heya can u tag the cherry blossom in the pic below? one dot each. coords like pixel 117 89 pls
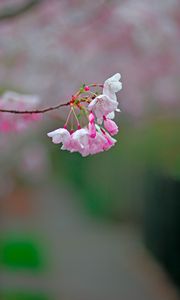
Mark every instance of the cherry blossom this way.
pixel 91 126
pixel 92 138
pixel 112 85
pixel 110 126
pixel 60 135
pixel 107 103
pixel 102 105
pixel 88 128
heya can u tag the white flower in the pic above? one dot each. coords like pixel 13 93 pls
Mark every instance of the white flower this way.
pixel 97 143
pixel 112 114
pixel 107 103
pixel 111 86
pixel 102 105
pixel 93 138
pixel 80 141
pixel 60 135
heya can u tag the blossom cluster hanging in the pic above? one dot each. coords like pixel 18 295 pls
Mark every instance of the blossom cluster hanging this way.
pixel 89 126
pixel 99 110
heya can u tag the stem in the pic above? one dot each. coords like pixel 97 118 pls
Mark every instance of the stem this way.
pixel 85 112
pixel 92 93
pixel 75 116
pixel 96 84
pixel 44 110
pixel 67 120
pixel 37 111
pixel 86 100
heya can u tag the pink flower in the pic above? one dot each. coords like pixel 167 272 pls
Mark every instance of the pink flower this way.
pixel 107 103
pixel 102 105
pixel 92 130
pixel 91 118
pixel 32 117
pixel 80 142
pixel 93 139
pixel 14 101
pixel 5 126
pixel 91 126
pixel 96 144
pixel 109 140
pixel 86 88
pixel 60 135
pixel 110 126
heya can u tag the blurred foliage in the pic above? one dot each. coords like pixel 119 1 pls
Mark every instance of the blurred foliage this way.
pixel 21 253
pixel 112 183
pixel 162 221
pixel 138 180
pixel 22 296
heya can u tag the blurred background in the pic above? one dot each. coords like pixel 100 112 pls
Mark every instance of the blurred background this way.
pixel 106 226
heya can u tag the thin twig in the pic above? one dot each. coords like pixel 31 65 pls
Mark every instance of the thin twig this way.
pixel 44 110
pixel 96 84
pixel 37 111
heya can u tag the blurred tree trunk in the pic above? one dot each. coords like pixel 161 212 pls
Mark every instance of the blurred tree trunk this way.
pixel 162 222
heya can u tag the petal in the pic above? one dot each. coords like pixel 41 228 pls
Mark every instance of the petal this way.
pixel 112 85
pixel 116 77
pixel 91 105
pixel 60 135
pixel 111 115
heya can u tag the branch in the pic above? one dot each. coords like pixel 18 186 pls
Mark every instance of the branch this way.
pixel 37 111
pixel 74 100
pixel 12 12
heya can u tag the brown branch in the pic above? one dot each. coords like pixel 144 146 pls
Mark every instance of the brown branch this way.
pixel 37 111
pixel 12 12
pixel 44 110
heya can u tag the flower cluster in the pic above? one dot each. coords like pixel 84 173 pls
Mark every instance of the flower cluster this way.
pixel 14 101
pixel 95 135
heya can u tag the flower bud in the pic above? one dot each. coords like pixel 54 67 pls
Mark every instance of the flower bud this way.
pixel 110 126
pixel 86 88
pixel 91 118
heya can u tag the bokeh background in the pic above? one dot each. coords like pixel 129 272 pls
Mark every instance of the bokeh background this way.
pixel 106 226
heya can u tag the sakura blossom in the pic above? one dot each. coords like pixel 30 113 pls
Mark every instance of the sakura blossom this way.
pixel 110 126
pixel 95 135
pixel 60 135
pixel 112 85
pixel 102 105
pixel 88 128
pixel 107 103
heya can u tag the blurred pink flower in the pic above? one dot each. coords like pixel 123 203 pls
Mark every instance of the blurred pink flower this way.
pixel 14 101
